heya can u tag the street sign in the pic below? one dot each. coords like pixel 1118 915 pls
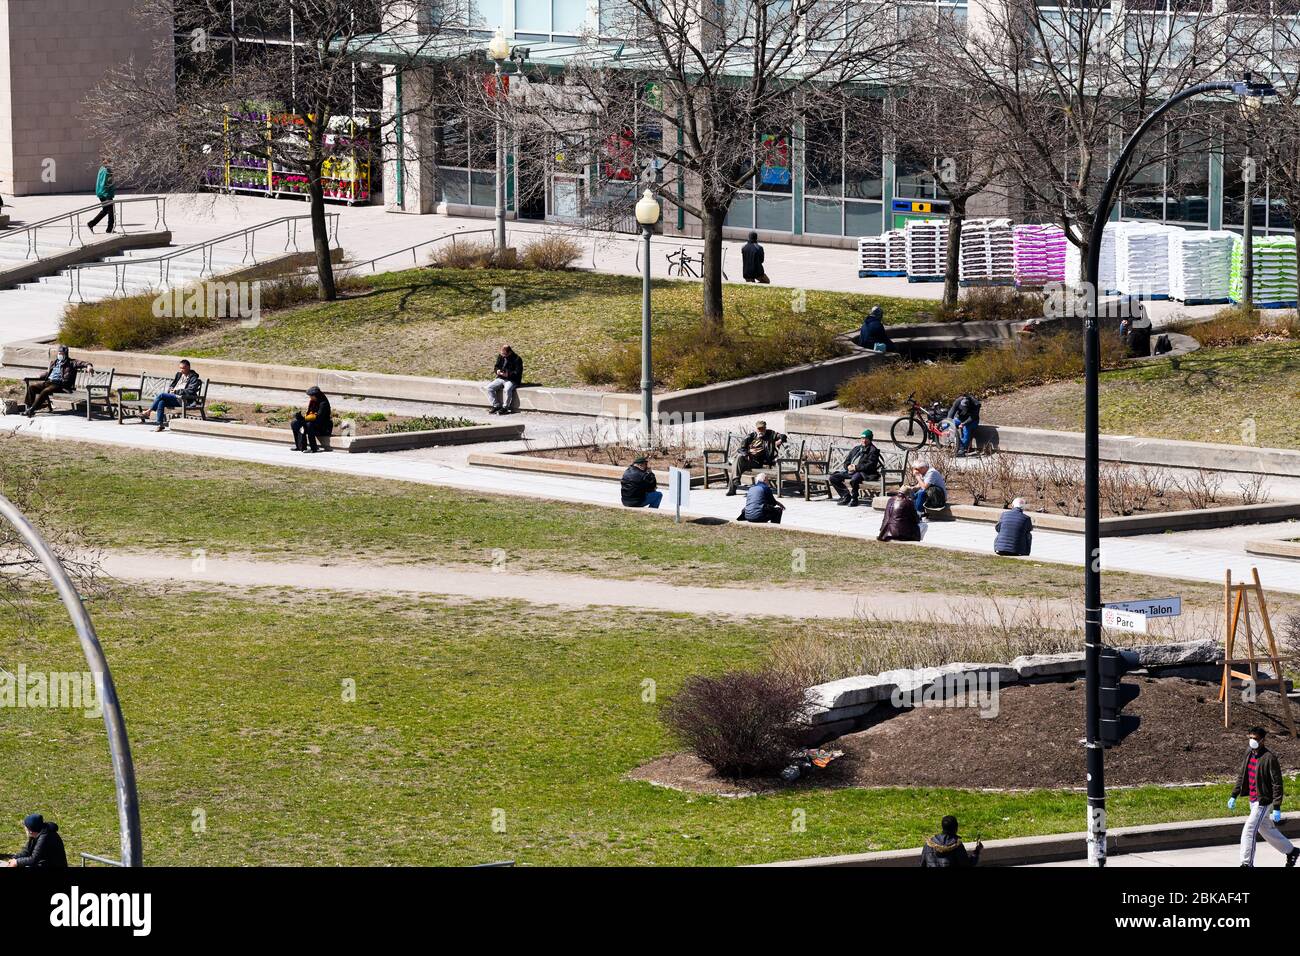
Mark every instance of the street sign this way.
pixel 679 489
pixel 1156 607
pixel 1114 619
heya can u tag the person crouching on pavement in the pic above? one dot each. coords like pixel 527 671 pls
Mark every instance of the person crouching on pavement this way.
pixel 761 506
pixel 1261 780
pixel 900 522
pixel 946 849
pixel 638 487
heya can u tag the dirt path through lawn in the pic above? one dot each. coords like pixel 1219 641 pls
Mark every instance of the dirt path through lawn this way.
pixel 573 590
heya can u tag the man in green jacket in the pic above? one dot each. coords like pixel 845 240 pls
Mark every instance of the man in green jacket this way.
pixel 1261 779
pixel 105 192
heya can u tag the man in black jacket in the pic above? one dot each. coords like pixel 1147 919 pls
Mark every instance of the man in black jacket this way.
pixel 757 450
pixel 507 375
pixel 946 849
pixel 183 391
pixel 313 424
pixel 44 850
pixel 860 464
pixel 61 376
pixel 751 261
pixel 1261 780
pixel 639 484
pixel 965 416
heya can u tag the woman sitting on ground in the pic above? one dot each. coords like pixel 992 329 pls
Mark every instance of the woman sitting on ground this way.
pixel 900 522
pixel 313 423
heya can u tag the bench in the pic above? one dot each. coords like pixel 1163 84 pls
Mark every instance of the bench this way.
pixel 150 387
pixel 818 471
pixel 92 388
pixel 788 466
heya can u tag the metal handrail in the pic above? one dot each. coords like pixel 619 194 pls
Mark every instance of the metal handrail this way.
pixel 411 249
pixel 74 220
pixel 85 857
pixel 206 247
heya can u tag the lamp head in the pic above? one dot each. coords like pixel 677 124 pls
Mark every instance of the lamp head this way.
pixel 499 47
pixel 1252 93
pixel 647 209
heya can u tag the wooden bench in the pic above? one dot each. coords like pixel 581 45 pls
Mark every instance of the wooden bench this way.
pixel 817 471
pixel 149 388
pixel 92 388
pixel 788 466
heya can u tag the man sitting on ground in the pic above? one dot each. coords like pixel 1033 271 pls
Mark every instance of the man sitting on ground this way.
pixel 946 849
pixel 931 492
pixel 873 331
pixel 61 376
pixel 900 522
pixel 184 390
pixel 860 464
pixel 1015 531
pixel 761 506
pixel 965 417
pixel 639 484
pixel 507 375
pixel 757 450
pixel 44 850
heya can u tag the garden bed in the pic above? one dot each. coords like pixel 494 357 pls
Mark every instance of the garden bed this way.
pixel 1032 743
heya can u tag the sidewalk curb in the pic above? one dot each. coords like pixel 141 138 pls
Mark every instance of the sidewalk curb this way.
pixel 1025 851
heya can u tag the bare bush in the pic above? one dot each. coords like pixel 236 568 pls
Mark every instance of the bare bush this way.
pixel 1254 490
pixel 1201 487
pixel 467 254
pixel 741 723
pixel 552 251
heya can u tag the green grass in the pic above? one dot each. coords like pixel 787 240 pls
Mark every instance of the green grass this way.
pixel 235 507
pixel 1213 394
pixel 441 322
pixel 235 709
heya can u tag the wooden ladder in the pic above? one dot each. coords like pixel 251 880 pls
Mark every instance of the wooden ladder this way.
pixel 1234 613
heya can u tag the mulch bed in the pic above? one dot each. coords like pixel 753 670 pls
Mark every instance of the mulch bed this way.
pixel 1032 742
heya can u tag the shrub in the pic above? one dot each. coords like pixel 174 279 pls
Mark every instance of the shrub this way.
pixel 994 304
pixel 1036 361
pixel 465 254
pixel 683 358
pixel 1235 325
pixel 426 423
pixel 552 252
pixel 741 723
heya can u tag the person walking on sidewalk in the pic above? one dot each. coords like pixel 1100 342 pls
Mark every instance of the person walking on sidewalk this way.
pixel 1261 780
pixel 105 192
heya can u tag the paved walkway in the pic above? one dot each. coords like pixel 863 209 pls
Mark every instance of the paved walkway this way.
pixel 1216 856
pixel 1188 557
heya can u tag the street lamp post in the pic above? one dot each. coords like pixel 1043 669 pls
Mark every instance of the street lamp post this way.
pixel 499 52
pixel 647 214
pixel 1245 88
pixel 1249 107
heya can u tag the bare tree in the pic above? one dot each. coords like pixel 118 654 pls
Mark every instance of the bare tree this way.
pixel 708 101
pixel 278 82
pixel 1070 82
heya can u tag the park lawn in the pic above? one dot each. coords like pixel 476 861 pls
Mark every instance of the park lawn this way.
pixel 442 322
pixel 124 498
pixel 1213 395
pixel 465 715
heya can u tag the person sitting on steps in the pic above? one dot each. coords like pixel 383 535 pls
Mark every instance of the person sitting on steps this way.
pixel 508 375
pixel 930 490
pixel 315 423
pixel 862 463
pixel 757 450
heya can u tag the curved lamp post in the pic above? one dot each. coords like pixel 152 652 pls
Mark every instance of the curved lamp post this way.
pixel 647 214
pixel 1248 89
pixel 498 52
pixel 119 748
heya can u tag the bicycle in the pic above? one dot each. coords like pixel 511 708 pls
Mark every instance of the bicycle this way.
pixel 684 263
pixel 921 425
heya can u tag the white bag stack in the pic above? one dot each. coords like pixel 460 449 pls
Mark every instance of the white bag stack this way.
pixel 1039 254
pixel 927 249
pixel 987 255
pixel 1105 266
pixel 873 255
pixel 896 244
pixel 1200 266
pixel 1142 259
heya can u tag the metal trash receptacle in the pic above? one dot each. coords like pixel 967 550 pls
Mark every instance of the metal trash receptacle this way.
pixel 801 397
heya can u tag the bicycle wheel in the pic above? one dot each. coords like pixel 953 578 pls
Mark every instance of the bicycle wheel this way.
pixel 908 432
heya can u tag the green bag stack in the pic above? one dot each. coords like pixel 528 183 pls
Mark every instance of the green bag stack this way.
pixel 1275 270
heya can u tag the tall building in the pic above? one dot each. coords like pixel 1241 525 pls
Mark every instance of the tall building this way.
pixel 52 54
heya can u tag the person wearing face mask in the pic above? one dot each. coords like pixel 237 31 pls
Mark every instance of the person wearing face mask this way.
pixel 1261 780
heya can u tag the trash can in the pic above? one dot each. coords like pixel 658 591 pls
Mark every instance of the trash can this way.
pixel 801 397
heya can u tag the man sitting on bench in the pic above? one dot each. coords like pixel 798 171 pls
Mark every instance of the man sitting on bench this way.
pixel 61 376
pixel 758 450
pixel 184 390
pixel 860 464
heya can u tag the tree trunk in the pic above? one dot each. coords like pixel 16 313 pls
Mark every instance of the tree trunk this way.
pixel 320 237
pixel 952 272
pixel 712 314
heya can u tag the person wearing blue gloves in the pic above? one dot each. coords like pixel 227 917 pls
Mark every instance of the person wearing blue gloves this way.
pixel 1261 780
